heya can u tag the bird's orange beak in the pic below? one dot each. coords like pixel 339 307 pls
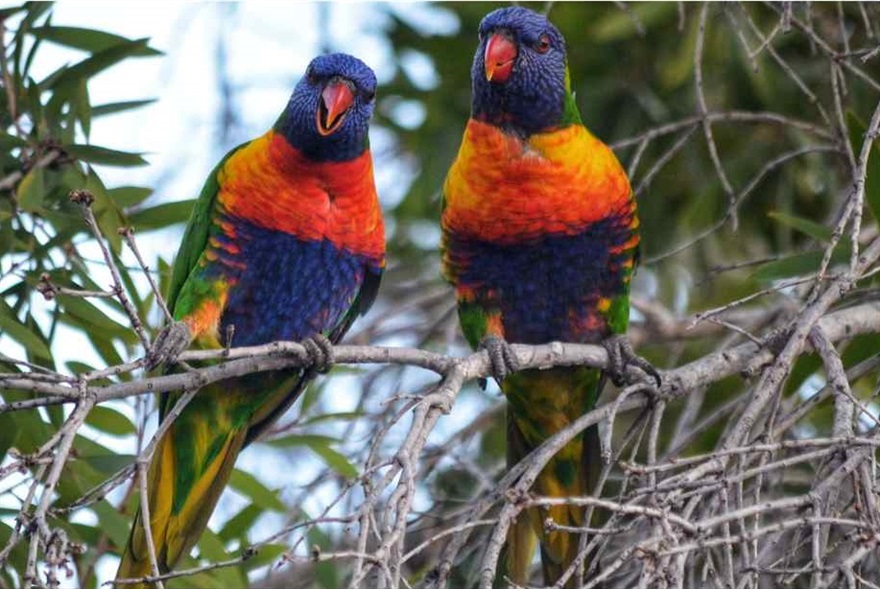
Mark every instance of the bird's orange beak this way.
pixel 500 55
pixel 335 101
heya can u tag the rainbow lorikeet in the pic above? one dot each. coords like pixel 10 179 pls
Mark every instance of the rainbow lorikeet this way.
pixel 540 240
pixel 286 242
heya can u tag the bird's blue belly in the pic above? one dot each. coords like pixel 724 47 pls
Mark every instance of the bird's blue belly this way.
pixel 285 288
pixel 547 288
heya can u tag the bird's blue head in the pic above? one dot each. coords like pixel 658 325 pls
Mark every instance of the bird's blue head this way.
pixel 328 115
pixel 519 74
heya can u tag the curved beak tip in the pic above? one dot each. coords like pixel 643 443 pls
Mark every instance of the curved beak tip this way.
pixel 335 101
pixel 499 58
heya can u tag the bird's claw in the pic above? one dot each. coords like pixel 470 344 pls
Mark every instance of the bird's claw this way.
pixel 501 357
pixel 319 350
pixel 620 356
pixel 170 343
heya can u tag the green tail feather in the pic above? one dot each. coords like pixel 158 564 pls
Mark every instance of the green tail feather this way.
pixel 540 404
pixel 176 530
pixel 193 462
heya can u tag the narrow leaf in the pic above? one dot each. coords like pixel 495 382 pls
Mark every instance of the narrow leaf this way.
pixel 101 155
pixel 23 334
pixel 83 109
pixel 800 264
pixel 31 190
pixel 110 421
pixel 300 440
pixel 115 107
pixel 857 131
pixel 9 430
pixel 113 523
pixel 815 230
pixel 7 12
pixel 335 460
pixel 129 196
pixel 85 311
pixel 240 523
pixel 87 39
pixel 162 215
pixel 9 142
pixel 248 485
pixel 100 61
pixel 108 464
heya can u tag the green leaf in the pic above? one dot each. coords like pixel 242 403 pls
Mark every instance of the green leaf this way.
pixel 872 180
pixel 335 460
pixel 34 11
pixel 266 555
pixel 800 264
pixel 23 334
pixel 83 108
pixel 17 555
pixel 31 190
pixel 115 107
pixel 99 62
pixel 129 196
pixel 248 485
pixel 300 440
pixel 34 106
pixel 113 523
pixel 32 430
pixel 815 230
pixel 108 157
pixel 107 214
pixel 9 430
pixel 161 216
pixel 110 421
pixel 79 308
pixel 7 12
pixel 342 415
pixel 9 142
pixel 108 464
pixel 240 523
pixel 212 548
pixel 76 367
pixel 87 39
pixel 617 24
pixel 105 348
pixel 326 576
pixel 857 131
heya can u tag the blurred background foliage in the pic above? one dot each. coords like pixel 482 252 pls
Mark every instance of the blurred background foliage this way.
pixel 633 70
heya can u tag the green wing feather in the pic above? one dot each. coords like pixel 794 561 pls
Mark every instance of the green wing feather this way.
pixel 541 403
pixel 195 238
pixel 194 459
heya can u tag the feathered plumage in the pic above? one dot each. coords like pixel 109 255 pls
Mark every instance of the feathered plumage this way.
pixel 286 242
pixel 540 241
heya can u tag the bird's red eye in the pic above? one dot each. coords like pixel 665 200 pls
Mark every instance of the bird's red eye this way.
pixel 543 44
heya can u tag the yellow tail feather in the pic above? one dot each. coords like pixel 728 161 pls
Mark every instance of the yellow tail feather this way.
pixel 541 403
pixel 174 534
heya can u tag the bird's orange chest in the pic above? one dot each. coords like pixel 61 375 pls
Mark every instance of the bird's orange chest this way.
pixel 504 188
pixel 272 185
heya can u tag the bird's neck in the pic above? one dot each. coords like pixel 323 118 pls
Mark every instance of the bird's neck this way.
pixel 524 111
pixel 342 146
